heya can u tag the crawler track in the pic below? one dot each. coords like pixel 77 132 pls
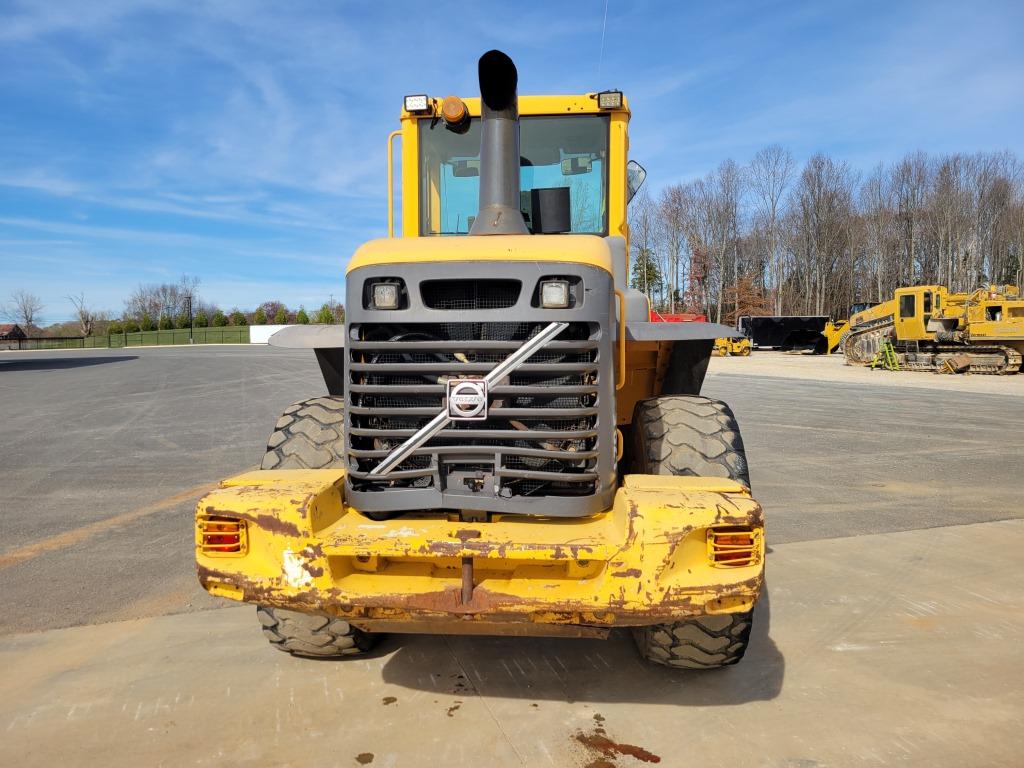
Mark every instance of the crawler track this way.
pixel 862 344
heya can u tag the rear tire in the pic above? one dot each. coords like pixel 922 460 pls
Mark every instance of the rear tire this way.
pixel 688 435
pixel 701 642
pixel 308 436
pixel 691 435
pixel 312 635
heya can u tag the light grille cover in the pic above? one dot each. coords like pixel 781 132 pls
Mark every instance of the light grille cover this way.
pixel 734 546
pixel 219 536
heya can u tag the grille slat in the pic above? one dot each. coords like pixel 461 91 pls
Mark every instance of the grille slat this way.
pixel 481 434
pixel 469 344
pixel 438 389
pixel 497 413
pixel 446 366
pixel 540 435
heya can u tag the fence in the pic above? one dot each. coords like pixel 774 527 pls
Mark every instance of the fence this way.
pixel 227 335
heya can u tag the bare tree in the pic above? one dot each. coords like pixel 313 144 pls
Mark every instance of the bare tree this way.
pixel 155 300
pixel 24 309
pixel 672 210
pixel 643 222
pixel 86 316
pixel 770 173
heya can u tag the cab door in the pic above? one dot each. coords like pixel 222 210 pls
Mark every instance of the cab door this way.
pixel 913 310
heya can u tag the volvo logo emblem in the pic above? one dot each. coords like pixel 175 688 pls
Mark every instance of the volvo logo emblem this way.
pixel 467 399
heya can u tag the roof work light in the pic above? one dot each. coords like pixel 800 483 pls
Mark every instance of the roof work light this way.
pixel 417 103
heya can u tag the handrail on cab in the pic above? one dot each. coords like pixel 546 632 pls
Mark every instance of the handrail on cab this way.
pixel 391 182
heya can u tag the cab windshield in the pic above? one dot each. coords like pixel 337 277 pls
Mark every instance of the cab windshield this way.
pixel 554 152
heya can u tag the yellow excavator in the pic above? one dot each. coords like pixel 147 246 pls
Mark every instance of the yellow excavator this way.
pixel 927 328
pixel 508 445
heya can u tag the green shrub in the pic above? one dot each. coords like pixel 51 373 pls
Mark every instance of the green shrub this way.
pixel 324 316
pixel 301 317
pixel 181 321
pixel 146 323
pixel 166 324
pixel 115 326
pixel 219 319
pixel 259 317
pixel 238 317
pixel 201 320
pixel 281 317
pixel 130 326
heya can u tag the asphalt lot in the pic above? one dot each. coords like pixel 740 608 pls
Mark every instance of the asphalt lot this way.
pixel 888 585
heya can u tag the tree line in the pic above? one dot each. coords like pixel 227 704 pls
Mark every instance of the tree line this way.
pixel 161 306
pixel 770 237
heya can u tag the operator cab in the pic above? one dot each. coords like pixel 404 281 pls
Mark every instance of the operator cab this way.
pixel 574 173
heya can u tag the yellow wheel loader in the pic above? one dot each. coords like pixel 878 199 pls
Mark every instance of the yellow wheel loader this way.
pixel 508 444
pixel 931 329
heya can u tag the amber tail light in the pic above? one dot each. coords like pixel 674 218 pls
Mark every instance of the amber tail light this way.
pixel 222 536
pixel 734 546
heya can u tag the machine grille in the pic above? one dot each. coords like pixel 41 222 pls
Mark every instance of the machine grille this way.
pixel 470 294
pixel 540 436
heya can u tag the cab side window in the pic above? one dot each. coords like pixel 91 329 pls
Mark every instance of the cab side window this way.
pixel 908 305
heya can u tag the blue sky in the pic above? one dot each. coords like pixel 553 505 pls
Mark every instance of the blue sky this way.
pixel 243 142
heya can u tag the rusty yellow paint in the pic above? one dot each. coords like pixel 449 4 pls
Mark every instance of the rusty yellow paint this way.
pixel 643 561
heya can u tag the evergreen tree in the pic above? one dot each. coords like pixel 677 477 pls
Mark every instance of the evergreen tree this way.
pixel 238 317
pixel 201 320
pixel 219 319
pixel 146 323
pixel 181 321
pixel 301 317
pixel 281 317
pixel 259 317
pixel 324 316
pixel 646 273
pixel 166 323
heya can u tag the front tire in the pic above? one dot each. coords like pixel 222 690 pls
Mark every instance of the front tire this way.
pixel 691 435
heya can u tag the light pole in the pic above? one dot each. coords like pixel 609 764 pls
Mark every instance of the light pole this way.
pixel 188 304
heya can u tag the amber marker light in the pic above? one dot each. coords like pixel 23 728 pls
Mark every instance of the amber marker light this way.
pixel 455 114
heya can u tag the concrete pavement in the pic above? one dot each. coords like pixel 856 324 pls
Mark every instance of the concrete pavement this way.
pixel 889 637
pixel 896 649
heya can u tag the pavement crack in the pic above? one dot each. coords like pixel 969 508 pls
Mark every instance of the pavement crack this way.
pixel 483 700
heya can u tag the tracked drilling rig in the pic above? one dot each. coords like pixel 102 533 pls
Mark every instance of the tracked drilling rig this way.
pixel 508 444
pixel 983 331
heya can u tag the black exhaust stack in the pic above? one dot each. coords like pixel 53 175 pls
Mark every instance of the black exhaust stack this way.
pixel 499 212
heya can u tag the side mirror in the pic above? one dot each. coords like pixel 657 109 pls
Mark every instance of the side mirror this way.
pixel 635 176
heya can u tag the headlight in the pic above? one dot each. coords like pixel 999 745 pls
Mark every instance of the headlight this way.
pixel 385 296
pixel 554 294
pixel 609 100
